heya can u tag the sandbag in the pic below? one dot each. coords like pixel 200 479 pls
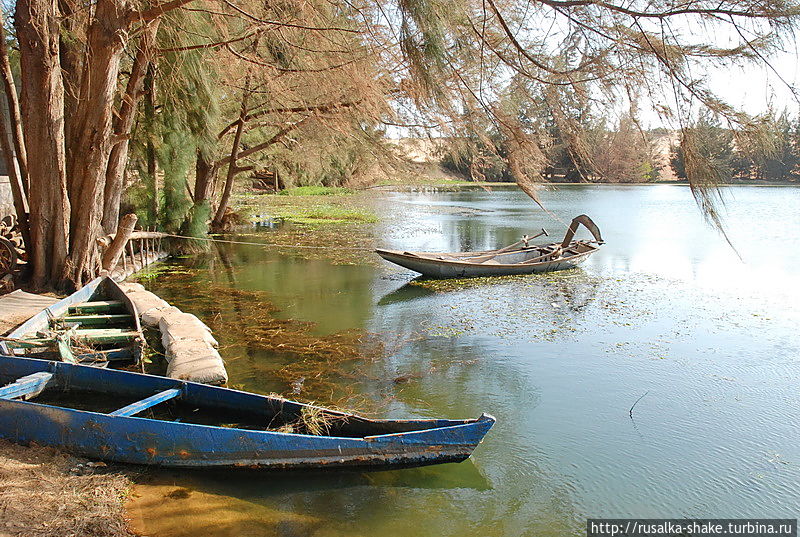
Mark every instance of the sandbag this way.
pixel 196 361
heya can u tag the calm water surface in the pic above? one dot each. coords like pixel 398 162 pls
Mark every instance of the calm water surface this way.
pixel 666 308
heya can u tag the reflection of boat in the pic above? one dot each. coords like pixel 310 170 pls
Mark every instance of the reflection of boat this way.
pixel 95 325
pixel 142 419
pixel 404 294
pixel 517 258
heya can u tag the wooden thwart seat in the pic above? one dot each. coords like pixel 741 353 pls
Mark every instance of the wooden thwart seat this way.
pixel 106 335
pixel 110 355
pixel 144 404
pixel 98 306
pixel 90 336
pixel 98 320
pixel 30 386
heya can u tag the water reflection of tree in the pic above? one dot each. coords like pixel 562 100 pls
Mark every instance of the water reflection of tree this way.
pixel 469 235
pixel 224 255
pixel 463 376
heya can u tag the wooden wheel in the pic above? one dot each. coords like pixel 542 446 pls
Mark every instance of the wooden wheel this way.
pixel 8 257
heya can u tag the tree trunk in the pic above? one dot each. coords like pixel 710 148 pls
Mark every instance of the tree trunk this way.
pixel 70 55
pixel 233 168
pixel 13 109
pixel 42 98
pixel 91 140
pixel 150 149
pixel 118 158
pixel 17 173
pixel 18 195
pixel 117 246
pixel 205 172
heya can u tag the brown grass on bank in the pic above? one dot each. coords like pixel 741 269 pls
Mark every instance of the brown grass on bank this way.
pixel 40 497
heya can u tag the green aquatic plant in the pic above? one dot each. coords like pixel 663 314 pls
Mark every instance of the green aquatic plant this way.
pixel 315 191
pixel 248 319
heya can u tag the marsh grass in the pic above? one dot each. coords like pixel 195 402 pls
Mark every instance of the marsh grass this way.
pixel 315 191
pixel 324 206
pixel 456 284
pixel 315 420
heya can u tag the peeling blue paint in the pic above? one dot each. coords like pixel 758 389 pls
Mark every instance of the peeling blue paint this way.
pixel 139 440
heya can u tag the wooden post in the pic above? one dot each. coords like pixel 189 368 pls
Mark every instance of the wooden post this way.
pixel 117 246
pixel 133 257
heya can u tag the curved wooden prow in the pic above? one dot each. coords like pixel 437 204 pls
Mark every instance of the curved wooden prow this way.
pixel 588 224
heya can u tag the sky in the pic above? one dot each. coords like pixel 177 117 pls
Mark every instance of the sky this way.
pixel 755 88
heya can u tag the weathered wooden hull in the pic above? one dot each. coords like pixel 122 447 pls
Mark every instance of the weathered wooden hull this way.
pixel 99 288
pixel 445 268
pixel 138 440
pixel 517 258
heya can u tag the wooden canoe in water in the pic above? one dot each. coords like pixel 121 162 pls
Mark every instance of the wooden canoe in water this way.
pixel 142 419
pixel 96 325
pixel 517 258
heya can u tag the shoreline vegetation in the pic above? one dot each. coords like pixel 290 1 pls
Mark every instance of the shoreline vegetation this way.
pixel 467 183
pixel 318 205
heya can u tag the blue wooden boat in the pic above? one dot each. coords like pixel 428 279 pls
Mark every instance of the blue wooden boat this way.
pixel 128 417
pixel 96 325
pixel 514 259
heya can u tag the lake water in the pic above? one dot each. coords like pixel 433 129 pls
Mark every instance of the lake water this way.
pixel 667 308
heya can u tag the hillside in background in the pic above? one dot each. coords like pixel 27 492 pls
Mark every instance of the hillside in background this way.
pixel 428 154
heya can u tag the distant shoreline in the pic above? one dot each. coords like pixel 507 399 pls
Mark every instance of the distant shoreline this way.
pixel 508 184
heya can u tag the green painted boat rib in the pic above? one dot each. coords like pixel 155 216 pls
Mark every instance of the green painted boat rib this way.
pixel 98 320
pixel 98 306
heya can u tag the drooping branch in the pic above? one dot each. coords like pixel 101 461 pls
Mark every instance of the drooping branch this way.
pixel 322 108
pixel 254 18
pixel 213 44
pixel 522 50
pixel 715 11
pixel 274 139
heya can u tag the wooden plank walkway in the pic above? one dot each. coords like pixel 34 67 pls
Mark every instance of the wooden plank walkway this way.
pixel 18 306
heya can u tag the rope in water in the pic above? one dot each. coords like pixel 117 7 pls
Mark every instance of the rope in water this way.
pixel 250 243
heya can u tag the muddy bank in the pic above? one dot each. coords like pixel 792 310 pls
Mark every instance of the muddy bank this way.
pixel 44 492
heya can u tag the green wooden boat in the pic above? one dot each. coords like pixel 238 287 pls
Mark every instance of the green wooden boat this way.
pixel 97 325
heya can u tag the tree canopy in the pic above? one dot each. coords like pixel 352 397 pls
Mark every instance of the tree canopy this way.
pixel 203 90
